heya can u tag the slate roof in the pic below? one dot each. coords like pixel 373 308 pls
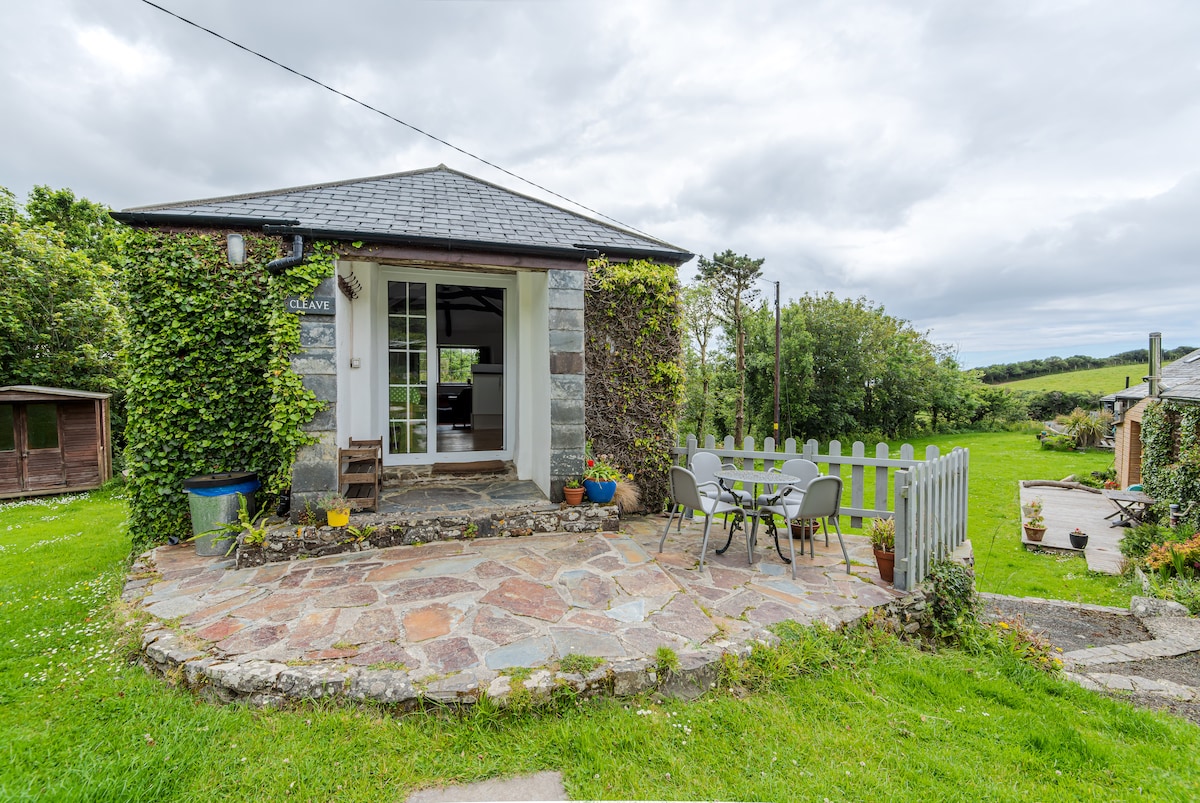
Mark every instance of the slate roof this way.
pixel 1180 380
pixel 435 204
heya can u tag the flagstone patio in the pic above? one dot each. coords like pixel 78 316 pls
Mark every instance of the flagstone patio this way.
pixel 453 620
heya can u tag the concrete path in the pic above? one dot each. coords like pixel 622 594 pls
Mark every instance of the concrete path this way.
pixel 457 615
pixel 1067 508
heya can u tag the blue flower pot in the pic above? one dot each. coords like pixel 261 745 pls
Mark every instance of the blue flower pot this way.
pixel 600 492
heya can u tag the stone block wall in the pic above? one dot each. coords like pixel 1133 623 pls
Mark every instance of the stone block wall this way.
pixel 315 470
pixel 567 438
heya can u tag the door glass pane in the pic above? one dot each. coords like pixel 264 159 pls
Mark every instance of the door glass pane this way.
pixel 8 437
pixel 469 324
pixel 416 332
pixel 42 421
pixel 407 369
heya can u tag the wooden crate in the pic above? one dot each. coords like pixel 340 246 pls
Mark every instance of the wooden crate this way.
pixel 360 473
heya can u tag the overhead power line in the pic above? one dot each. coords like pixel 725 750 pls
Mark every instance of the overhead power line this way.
pixel 393 118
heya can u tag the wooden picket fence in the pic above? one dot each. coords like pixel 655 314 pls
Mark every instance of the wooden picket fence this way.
pixel 930 493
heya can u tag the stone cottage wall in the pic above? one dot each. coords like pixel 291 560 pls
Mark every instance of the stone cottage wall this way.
pixel 567 436
pixel 315 471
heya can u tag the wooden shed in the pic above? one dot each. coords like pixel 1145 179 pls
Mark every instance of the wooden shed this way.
pixel 53 440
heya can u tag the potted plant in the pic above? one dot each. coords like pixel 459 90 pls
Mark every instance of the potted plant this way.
pixel 1035 525
pixel 573 491
pixel 1079 539
pixel 337 509
pixel 1032 508
pixel 882 533
pixel 600 478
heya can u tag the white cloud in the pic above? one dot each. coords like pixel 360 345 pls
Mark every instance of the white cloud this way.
pixel 1019 176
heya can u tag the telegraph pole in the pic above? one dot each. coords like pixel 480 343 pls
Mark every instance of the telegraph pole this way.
pixel 776 430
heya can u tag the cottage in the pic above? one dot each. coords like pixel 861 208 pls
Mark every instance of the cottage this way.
pixel 53 440
pixel 1177 381
pixel 453 327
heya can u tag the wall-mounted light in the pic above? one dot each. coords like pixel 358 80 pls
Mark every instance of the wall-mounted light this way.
pixel 236 247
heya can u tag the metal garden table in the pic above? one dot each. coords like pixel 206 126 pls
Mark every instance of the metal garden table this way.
pixel 753 478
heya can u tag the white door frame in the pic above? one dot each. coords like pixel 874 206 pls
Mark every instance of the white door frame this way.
pixel 432 278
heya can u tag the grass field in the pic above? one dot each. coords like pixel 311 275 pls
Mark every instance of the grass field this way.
pixel 864 719
pixel 1105 380
pixel 1002 565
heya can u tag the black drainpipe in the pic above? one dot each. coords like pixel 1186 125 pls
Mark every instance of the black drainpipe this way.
pixel 278 266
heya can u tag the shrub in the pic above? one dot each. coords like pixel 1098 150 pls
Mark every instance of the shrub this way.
pixel 1137 541
pixel 1058 443
pixel 1086 428
pixel 1174 558
pixel 954 604
pixel 1029 646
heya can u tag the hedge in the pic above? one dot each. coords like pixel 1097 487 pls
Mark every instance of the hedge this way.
pixel 211 385
pixel 634 375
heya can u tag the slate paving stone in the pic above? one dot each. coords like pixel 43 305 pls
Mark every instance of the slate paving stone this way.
pixel 315 629
pixel 388 653
pixel 221 629
pixel 277 606
pixel 592 620
pixel 581 552
pixel 632 611
pixel 429 622
pixel 253 638
pixel 647 582
pixel 683 617
pixel 492 569
pixel 579 641
pixel 428 588
pixel 294 577
pixel 535 567
pixel 499 627
pixel 354 596
pixel 374 626
pixel 450 655
pixel 527 652
pixel 588 590
pixel 527 598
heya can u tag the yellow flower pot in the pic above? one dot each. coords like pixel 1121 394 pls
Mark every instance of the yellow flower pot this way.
pixel 338 518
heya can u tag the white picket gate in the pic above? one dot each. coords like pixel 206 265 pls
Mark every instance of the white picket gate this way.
pixel 931 514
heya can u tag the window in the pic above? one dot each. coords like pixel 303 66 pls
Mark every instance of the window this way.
pixel 454 363
pixel 8 437
pixel 42 423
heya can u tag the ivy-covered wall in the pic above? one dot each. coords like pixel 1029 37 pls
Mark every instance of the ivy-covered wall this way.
pixel 634 379
pixel 1171 455
pixel 211 385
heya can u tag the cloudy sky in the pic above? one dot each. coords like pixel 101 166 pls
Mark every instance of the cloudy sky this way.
pixel 1020 178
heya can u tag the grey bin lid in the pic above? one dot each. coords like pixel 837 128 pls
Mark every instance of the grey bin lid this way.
pixel 220 480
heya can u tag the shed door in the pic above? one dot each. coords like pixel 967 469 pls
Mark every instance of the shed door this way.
pixel 10 467
pixel 33 459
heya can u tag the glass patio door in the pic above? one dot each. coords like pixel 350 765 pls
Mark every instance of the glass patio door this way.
pixel 408 368
pixel 446 370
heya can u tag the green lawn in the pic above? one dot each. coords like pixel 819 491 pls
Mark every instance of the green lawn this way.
pixel 999 460
pixel 1105 380
pixel 865 721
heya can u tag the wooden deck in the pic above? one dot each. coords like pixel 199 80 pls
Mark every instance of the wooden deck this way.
pixel 1067 508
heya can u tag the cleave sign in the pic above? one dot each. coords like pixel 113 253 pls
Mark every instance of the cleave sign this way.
pixel 317 305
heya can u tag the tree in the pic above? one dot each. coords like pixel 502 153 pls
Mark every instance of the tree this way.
pixel 733 277
pixel 700 319
pixel 59 325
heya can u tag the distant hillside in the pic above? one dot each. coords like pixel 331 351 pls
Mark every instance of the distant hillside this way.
pixel 1010 372
pixel 1095 380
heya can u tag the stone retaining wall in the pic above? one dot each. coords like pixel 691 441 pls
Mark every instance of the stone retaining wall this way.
pixel 269 684
pixel 376 531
